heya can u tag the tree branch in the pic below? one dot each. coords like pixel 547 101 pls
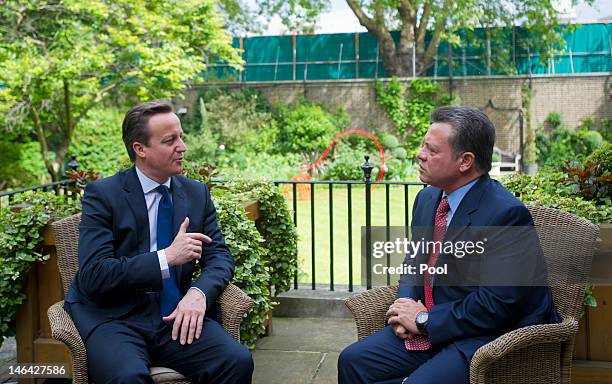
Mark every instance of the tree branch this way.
pixel 40 135
pixel 364 19
pixel 432 48
pixel 422 28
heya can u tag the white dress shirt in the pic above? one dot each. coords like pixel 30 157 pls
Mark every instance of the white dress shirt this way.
pixel 152 199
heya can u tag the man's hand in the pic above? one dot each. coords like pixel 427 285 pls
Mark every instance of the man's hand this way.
pixel 188 317
pixel 403 313
pixel 186 246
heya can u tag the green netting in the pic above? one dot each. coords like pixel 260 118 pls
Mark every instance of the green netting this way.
pixel 352 56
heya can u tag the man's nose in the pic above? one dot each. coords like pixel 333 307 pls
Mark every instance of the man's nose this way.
pixel 421 155
pixel 182 146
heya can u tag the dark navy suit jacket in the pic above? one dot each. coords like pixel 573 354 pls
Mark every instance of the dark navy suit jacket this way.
pixel 471 316
pixel 117 271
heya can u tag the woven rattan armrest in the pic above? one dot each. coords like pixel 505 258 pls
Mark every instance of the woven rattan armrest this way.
pixel 369 309
pixel 234 304
pixel 64 330
pixel 523 338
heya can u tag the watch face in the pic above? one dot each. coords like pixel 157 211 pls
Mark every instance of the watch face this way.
pixel 422 317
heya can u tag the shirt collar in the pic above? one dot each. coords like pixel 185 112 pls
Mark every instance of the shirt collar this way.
pixel 147 184
pixel 455 197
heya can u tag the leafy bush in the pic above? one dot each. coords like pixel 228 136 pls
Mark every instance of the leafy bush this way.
pixel 20 237
pixel 251 273
pixel 346 164
pixel 280 233
pixel 592 178
pixel 389 141
pixel 258 165
pixel 238 120
pixel 97 141
pixel 21 165
pixel 307 127
pixel 549 190
pixel 562 143
pixel 409 111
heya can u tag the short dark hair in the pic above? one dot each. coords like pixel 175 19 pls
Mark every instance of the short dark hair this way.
pixel 472 132
pixel 135 125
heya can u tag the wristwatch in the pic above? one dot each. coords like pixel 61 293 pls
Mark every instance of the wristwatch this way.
pixel 421 321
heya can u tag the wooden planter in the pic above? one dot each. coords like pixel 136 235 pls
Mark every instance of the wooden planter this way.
pixel 593 347
pixel 43 288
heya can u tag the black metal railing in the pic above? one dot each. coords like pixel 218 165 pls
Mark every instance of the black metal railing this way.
pixel 304 192
pixel 308 192
pixel 62 187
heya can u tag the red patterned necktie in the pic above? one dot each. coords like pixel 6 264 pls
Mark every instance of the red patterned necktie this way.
pixel 421 342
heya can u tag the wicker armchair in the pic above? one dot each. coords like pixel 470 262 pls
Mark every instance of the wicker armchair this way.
pixel 234 303
pixel 533 354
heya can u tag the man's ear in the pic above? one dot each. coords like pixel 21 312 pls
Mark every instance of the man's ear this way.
pixel 467 161
pixel 139 149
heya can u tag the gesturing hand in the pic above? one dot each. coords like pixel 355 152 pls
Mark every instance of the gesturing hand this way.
pixel 188 317
pixel 186 246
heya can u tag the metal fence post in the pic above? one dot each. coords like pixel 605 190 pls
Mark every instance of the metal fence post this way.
pixel 367 173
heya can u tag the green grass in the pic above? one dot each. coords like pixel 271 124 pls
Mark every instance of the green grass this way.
pixel 340 235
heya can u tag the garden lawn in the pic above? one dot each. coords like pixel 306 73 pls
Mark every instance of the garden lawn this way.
pixel 340 236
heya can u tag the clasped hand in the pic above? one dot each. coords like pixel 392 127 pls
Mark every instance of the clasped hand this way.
pixel 402 315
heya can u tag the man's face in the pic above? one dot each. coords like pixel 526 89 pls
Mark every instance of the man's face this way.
pixel 437 164
pixel 164 155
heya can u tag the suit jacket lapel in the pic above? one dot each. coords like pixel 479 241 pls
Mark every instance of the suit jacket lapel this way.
pixel 135 197
pixel 470 204
pixel 181 209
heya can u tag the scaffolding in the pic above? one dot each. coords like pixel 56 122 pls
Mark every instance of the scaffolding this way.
pixel 587 49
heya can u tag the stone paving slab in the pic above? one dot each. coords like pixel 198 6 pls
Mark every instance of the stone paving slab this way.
pixel 310 334
pixel 302 350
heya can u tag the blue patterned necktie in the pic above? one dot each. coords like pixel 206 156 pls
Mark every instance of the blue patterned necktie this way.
pixel 170 295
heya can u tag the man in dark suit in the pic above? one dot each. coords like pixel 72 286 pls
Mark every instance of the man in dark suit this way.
pixel 434 327
pixel 141 233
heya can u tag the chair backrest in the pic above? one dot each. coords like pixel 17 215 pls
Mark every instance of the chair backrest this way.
pixel 66 233
pixel 568 242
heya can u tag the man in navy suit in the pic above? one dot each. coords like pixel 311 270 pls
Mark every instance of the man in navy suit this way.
pixel 435 328
pixel 141 233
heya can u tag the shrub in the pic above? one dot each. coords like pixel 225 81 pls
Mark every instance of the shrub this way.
pixel 97 141
pixel 409 111
pixel 592 178
pixel 21 165
pixel 346 164
pixel 307 127
pixel 389 141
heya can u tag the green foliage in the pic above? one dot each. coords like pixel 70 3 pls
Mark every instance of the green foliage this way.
pixel 592 178
pixel 409 109
pixel 21 165
pixel 258 165
pixel 238 121
pixel 389 141
pixel 603 126
pixel 58 59
pixel 307 127
pixel 346 164
pixel 280 233
pixel 20 237
pixel 251 273
pixel 548 190
pixel 562 144
pixel 97 141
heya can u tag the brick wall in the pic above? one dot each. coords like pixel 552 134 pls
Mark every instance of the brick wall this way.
pixel 574 97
